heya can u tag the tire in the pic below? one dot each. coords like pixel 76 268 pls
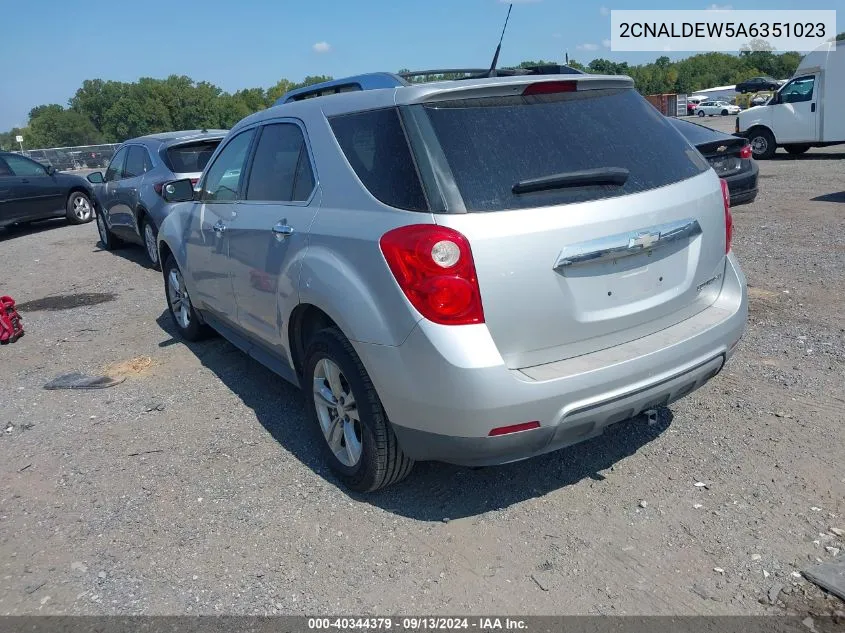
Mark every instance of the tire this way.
pixel 184 316
pixel 79 208
pixel 724 113
pixel 363 453
pixel 107 239
pixel 763 145
pixel 795 150
pixel 149 233
pixel 701 113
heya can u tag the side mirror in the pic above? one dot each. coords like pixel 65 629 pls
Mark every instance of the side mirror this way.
pixel 96 177
pixel 50 170
pixel 178 190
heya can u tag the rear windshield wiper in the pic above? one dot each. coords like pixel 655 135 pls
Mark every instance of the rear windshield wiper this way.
pixel 585 178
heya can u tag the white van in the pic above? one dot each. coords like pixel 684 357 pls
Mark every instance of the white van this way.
pixel 808 111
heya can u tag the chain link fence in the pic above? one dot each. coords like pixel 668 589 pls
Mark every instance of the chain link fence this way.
pixel 71 158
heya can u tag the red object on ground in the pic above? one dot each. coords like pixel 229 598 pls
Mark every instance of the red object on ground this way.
pixel 11 323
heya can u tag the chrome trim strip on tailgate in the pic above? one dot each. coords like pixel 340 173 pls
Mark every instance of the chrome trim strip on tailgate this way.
pixel 626 244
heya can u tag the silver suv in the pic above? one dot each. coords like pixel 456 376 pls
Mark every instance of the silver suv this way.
pixel 471 271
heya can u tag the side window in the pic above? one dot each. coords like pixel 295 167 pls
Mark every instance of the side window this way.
pixel 136 162
pixel 224 176
pixel 21 166
pixel 115 169
pixel 5 170
pixel 375 145
pixel 281 170
pixel 798 90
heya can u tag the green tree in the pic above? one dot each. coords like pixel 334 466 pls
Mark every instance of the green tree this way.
pixel 55 127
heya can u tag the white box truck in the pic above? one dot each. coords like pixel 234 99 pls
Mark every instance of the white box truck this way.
pixel 807 111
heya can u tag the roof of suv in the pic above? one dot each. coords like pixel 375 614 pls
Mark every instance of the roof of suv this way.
pixel 380 96
pixel 181 136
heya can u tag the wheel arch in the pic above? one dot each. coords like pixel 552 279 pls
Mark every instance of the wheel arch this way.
pixel 761 126
pixel 305 321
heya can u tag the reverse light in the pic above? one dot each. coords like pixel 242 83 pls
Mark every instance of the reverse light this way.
pixel 745 152
pixel 433 266
pixel 729 221
pixel 513 428
pixel 549 87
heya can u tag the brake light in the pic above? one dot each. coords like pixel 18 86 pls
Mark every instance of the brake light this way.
pixel 157 187
pixel 729 221
pixel 745 152
pixel 433 266
pixel 194 181
pixel 514 428
pixel 549 87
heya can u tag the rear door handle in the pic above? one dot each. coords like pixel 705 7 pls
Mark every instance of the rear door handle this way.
pixel 812 107
pixel 282 230
pixel 219 227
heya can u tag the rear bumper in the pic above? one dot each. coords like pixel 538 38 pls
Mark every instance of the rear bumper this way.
pixel 743 186
pixel 444 389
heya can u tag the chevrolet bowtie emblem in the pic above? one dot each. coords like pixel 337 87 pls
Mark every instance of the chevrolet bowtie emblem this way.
pixel 721 148
pixel 643 240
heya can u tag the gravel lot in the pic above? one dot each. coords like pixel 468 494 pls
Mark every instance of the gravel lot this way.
pixel 195 486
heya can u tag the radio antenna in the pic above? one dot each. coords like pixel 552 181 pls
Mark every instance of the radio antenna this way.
pixel 492 71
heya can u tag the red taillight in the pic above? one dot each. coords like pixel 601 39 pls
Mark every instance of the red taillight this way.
pixel 158 187
pixel 729 221
pixel 745 152
pixel 549 87
pixel 194 181
pixel 433 266
pixel 514 428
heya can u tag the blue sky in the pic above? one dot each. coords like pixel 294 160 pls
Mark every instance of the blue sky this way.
pixel 48 52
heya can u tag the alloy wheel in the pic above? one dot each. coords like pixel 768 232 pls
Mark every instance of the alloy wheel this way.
pixel 337 412
pixel 180 303
pixel 150 243
pixel 81 208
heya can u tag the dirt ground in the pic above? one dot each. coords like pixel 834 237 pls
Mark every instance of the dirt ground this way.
pixel 195 485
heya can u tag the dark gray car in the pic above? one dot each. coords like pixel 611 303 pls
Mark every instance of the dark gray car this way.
pixel 129 204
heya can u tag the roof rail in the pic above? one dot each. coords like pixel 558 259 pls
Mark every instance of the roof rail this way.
pixel 375 81
pixel 475 73
pixel 369 81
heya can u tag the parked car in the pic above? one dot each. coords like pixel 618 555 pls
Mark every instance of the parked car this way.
pixel 30 191
pixel 130 207
pixel 806 112
pixel 730 157
pixel 445 283
pixel 692 104
pixel 757 84
pixel 713 108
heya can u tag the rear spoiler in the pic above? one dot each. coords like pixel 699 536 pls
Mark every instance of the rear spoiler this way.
pixel 511 86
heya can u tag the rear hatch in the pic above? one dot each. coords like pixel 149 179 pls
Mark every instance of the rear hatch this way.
pixel 592 221
pixel 187 160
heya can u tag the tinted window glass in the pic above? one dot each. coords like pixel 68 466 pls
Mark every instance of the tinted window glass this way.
pixel 375 145
pixel 21 166
pixel 5 170
pixel 192 157
pixel 115 169
pixel 137 162
pixel 280 168
pixel 224 176
pixel 491 144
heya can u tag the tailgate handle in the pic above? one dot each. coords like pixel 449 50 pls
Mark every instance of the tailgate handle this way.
pixel 627 244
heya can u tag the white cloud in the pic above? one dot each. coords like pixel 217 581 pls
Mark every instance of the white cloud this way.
pixel 587 47
pixel 322 47
pixel 557 36
pixel 605 43
pixel 604 11
pixel 719 7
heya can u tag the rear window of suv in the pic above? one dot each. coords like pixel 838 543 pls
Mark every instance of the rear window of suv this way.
pixel 490 144
pixel 190 157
